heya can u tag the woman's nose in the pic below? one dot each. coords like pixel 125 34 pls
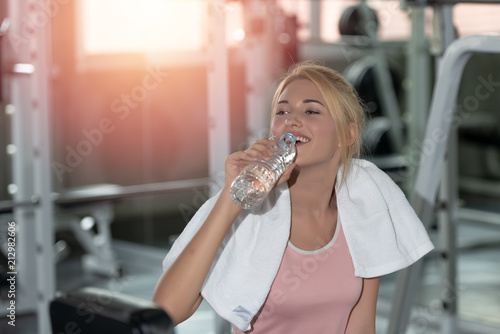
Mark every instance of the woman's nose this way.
pixel 293 120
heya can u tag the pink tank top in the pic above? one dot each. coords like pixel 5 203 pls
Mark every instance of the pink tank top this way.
pixel 313 292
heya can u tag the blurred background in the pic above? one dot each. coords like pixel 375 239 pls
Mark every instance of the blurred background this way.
pixel 117 116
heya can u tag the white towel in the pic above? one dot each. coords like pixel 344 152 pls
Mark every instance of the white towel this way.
pixel 382 231
pixel 248 259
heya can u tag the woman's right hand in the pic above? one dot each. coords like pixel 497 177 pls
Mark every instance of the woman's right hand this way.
pixel 235 163
pixel 261 149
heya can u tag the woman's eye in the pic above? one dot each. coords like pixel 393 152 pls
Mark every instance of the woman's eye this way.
pixel 314 112
pixel 281 112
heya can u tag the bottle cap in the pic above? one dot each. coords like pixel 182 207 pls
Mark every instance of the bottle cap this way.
pixel 290 135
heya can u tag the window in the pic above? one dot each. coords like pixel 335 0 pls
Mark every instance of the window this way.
pixel 167 30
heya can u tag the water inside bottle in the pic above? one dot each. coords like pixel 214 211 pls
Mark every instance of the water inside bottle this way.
pixel 258 178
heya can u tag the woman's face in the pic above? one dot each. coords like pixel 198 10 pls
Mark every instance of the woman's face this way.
pixel 302 111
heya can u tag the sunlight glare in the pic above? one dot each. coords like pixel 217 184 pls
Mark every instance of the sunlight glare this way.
pixel 121 26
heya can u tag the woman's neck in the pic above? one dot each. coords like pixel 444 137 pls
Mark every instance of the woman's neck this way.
pixel 312 189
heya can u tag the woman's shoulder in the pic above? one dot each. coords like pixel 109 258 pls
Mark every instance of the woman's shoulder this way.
pixel 366 169
pixel 365 164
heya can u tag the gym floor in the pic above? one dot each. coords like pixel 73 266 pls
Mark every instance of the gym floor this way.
pixel 478 286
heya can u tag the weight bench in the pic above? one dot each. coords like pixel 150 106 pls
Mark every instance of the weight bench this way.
pixel 100 311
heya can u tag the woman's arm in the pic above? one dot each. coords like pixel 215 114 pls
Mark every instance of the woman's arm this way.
pixel 179 289
pixel 362 318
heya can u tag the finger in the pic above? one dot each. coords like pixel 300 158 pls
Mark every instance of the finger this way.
pixel 261 148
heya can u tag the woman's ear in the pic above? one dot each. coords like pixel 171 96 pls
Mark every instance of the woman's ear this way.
pixel 353 134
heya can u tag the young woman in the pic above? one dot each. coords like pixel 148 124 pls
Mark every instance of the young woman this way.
pixel 309 259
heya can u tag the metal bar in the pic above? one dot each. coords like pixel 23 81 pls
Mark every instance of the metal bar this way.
pixel 418 91
pixel 9 206
pixel 479 216
pixel 447 222
pixel 218 91
pixel 479 186
pixel 257 69
pixel 19 95
pixel 315 20
pixel 42 175
pixel 112 192
pixel 98 194
pixel 407 279
pixel 447 217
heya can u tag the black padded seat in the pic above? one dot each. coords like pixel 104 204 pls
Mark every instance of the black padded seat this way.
pixel 100 311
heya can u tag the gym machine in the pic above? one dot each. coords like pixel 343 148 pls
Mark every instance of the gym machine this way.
pixel 438 152
pixel 440 155
pixel 374 78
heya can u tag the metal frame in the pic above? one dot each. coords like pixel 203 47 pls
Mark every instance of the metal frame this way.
pixel 448 193
pixel 418 91
pixel 30 111
pixel 218 91
pixel 256 72
pixel 436 140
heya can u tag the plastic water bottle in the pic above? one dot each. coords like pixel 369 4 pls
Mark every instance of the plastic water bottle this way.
pixel 258 178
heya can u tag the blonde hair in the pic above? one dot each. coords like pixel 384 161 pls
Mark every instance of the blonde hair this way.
pixel 341 100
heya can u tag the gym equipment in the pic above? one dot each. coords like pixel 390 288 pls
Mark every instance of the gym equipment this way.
pixel 100 311
pixel 352 23
pixel 362 75
pixel 439 156
pixel 97 202
pixel 372 76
